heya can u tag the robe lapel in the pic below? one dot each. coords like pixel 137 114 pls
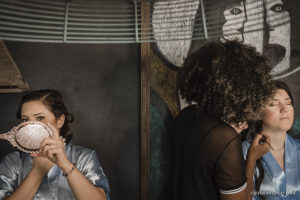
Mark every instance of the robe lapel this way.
pixel 292 165
pixel 276 181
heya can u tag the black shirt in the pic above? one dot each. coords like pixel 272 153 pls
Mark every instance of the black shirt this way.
pixel 207 157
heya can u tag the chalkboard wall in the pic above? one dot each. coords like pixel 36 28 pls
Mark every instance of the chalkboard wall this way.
pixel 100 85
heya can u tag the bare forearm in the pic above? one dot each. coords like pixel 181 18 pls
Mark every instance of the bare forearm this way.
pixel 81 187
pixel 250 166
pixel 28 187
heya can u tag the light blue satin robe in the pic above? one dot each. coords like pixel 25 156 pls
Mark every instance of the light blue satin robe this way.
pixel 15 166
pixel 279 184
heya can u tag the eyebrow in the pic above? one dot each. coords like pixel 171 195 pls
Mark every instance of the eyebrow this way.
pixel 33 115
pixel 38 114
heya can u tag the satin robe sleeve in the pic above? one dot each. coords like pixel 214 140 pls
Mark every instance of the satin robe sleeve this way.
pixel 9 174
pixel 95 174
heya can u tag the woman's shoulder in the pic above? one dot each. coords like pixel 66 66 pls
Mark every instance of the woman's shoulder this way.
pixel 295 140
pixel 79 153
pixel 15 158
pixel 78 150
pixel 82 156
pixel 15 155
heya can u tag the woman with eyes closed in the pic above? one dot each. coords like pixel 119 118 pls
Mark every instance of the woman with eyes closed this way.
pixel 61 170
pixel 276 175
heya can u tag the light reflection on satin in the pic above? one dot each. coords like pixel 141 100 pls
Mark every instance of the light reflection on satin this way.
pixel 15 166
pixel 279 184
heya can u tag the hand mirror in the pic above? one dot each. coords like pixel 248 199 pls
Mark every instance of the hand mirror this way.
pixel 28 136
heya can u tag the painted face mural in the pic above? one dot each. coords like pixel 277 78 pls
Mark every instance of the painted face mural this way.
pixel 279 32
pixel 235 18
pixel 264 24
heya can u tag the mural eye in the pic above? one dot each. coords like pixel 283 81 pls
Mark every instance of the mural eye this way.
pixel 235 11
pixel 277 8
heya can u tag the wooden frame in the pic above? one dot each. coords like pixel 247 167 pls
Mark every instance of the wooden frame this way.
pixel 145 104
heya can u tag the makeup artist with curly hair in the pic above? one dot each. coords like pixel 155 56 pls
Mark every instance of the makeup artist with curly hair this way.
pixel 60 171
pixel 226 85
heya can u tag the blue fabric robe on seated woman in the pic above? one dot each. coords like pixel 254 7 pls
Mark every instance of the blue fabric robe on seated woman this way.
pixel 278 183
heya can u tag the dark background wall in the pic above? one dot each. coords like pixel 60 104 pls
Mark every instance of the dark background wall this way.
pixel 100 85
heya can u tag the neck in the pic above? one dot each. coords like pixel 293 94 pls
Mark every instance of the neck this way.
pixel 277 138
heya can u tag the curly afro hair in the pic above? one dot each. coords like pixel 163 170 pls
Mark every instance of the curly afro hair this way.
pixel 227 79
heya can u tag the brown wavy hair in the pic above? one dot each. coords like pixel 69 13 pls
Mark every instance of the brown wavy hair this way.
pixel 227 79
pixel 54 101
pixel 256 127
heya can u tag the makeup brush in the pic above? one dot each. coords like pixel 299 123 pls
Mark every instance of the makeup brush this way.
pixel 263 140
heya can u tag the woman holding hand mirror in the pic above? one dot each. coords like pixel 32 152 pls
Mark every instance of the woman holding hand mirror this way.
pixel 60 170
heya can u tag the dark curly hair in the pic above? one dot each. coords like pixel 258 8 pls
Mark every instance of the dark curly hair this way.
pixel 227 79
pixel 54 101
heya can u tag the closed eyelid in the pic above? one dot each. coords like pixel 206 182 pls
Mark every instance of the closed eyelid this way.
pixel 272 101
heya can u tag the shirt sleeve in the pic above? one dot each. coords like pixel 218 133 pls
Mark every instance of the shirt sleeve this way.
pixel 230 169
pixel 8 175
pixel 246 145
pixel 95 174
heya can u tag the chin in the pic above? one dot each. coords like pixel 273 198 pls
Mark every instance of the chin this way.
pixel 286 128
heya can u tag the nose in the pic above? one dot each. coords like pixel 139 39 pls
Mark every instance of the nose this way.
pixel 31 119
pixel 283 107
